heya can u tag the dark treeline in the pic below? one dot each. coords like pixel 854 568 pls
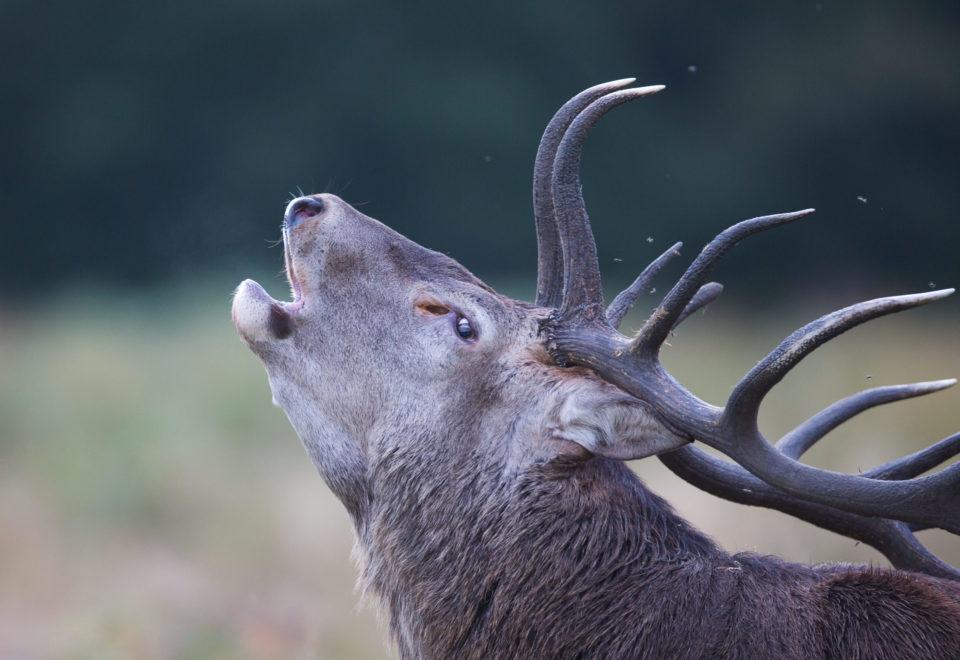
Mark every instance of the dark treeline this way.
pixel 144 142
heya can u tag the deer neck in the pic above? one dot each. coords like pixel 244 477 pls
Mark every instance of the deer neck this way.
pixel 475 551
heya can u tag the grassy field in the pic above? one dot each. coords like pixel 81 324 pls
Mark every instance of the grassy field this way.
pixel 154 504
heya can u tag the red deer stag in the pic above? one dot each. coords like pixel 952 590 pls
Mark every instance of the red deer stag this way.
pixel 479 445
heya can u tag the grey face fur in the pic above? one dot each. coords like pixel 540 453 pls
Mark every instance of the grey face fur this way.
pixel 367 363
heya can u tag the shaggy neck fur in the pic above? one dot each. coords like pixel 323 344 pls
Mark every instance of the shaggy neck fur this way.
pixel 583 561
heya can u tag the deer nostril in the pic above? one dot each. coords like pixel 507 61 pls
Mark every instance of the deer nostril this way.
pixel 302 208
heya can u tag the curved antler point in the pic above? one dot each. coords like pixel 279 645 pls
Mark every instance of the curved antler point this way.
pixel 649 89
pixel 929 387
pixel 930 296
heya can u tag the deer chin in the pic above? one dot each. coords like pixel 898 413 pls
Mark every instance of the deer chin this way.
pixel 258 317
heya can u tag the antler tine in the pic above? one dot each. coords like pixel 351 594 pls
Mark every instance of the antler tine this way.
pixel 750 391
pixel 550 256
pixel 703 297
pixel 919 462
pixel 626 298
pixel 729 481
pixel 582 293
pixel 664 318
pixel 797 442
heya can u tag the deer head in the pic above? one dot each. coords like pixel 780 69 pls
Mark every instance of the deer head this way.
pixel 391 351
pixel 403 374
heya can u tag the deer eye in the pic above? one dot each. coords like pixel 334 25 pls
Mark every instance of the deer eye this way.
pixel 464 328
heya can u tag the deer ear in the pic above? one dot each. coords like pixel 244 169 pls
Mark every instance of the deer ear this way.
pixel 608 422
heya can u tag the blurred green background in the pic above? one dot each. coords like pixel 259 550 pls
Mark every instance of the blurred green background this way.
pixel 153 504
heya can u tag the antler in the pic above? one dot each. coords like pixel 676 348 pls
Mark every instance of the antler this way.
pixel 550 257
pixel 880 507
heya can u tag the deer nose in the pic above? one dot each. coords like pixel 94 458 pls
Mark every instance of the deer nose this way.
pixel 301 209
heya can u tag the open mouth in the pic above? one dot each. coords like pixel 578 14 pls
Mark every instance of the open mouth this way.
pixel 296 289
pixel 298 211
pixel 257 316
